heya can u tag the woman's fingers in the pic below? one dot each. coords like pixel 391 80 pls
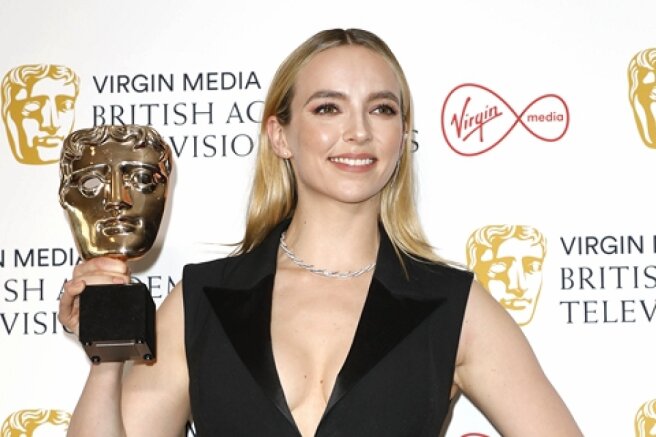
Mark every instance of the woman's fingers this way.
pixel 69 312
pixel 102 270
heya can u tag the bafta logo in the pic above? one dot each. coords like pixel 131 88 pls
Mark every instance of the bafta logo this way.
pixel 645 420
pixel 38 109
pixel 35 423
pixel 642 94
pixel 507 261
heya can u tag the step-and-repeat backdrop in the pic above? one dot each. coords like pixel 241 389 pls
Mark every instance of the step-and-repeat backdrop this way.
pixel 535 146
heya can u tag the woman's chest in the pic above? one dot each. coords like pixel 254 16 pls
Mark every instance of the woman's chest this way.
pixel 312 330
pixel 386 357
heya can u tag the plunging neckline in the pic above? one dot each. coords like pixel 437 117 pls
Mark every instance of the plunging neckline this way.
pixel 393 307
pixel 333 395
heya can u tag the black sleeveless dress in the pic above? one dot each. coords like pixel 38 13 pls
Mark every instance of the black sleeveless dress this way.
pixel 397 376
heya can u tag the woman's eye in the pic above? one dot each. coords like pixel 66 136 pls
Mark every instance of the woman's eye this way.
pixel 143 180
pixel 90 185
pixel 385 110
pixel 327 108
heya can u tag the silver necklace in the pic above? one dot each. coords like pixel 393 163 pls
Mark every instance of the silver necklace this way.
pixel 322 272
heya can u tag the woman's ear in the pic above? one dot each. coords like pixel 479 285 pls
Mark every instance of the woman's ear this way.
pixel 277 138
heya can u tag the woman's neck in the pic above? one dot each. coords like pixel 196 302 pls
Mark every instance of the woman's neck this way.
pixel 342 239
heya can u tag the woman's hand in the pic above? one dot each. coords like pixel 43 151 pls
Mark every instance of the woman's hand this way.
pixel 103 270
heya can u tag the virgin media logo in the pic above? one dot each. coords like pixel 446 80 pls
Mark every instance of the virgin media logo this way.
pixel 475 119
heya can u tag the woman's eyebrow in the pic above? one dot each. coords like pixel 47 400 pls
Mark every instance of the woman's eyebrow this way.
pixel 389 95
pixel 322 94
pixel 385 95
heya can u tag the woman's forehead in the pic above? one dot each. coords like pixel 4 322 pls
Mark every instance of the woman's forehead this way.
pixel 347 68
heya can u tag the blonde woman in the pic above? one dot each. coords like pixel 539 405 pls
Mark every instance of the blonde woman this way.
pixel 334 317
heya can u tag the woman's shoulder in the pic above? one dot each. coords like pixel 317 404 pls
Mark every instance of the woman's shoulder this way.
pixel 232 271
pixel 442 270
pixel 210 267
pixel 207 265
pixel 423 278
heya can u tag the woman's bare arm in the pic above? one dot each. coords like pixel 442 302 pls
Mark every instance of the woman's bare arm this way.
pixel 142 399
pixel 498 371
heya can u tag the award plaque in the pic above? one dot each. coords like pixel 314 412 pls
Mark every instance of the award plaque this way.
pixel 113 187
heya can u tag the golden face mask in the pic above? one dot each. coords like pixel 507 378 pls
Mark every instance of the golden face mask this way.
pixel 642 94
pixel 507 261
pixel 114 182
pixel 645 419
pixel 38 109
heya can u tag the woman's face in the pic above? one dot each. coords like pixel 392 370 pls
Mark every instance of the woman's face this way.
pixel 346 131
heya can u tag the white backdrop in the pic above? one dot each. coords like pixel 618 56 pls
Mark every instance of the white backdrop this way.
pixel 595 179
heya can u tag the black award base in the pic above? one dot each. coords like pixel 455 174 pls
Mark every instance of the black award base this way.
pixel 117 323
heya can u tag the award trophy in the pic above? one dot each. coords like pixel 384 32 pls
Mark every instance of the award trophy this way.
pixel 114 182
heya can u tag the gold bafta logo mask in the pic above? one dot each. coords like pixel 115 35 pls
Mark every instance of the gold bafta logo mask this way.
pixel 38 109
pixel 645 420
pixel 113 187
pixel 507 261
pixel 36 423
pixel 642 94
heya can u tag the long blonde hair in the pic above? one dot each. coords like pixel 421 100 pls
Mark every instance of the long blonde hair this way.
pixel 273 194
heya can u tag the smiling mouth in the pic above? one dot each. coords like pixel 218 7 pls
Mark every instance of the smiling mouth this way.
pixel 118 226
pixel 353 162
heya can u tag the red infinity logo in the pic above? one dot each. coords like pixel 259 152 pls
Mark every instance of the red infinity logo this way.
pixel 475 119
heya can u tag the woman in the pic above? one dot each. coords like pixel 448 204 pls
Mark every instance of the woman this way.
pixel 373 341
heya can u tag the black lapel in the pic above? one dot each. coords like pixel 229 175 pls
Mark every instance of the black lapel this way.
pixel 385 321
pixel 398 301
pixel 242 303
pixel 246 319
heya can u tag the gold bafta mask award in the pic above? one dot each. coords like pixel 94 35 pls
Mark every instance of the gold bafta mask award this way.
pixel 113 187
